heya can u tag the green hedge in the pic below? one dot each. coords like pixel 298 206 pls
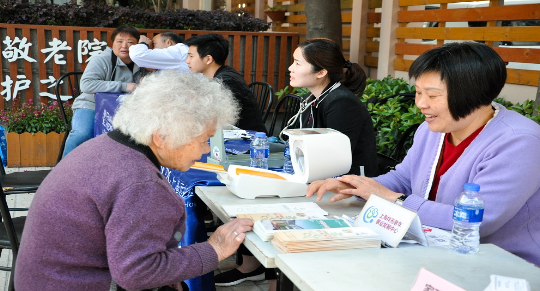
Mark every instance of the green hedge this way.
pixel 95 15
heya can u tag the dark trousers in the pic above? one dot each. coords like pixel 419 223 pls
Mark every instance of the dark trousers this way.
pixel 269 274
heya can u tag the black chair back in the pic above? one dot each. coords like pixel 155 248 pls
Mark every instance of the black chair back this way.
pixel 286 108
pixel 264 94
pixel 10 234
pixel 70 83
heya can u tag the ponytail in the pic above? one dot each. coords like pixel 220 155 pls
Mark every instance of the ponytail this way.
pixel 354 78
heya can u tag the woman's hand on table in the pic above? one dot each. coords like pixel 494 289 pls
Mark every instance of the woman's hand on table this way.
pixel 228 237
pixel 329 185
pixel 350 185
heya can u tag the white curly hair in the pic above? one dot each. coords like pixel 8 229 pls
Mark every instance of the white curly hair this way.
pixel 176 106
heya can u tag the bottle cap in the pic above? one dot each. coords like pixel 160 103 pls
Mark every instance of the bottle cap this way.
pixel 471 187
pixel 260 134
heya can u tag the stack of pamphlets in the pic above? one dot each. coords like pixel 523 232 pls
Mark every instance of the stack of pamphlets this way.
pixel 265 229
pixel 315 240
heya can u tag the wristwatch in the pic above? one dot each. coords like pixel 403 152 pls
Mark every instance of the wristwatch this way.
pixel 401 199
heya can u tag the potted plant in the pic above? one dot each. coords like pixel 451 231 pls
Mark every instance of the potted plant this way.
pixel 276 13
pixel 34 133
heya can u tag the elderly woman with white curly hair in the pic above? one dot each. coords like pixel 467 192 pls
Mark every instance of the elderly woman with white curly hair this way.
pixel 106 219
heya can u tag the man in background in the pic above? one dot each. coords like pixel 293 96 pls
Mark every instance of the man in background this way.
pixel 169 52
pixel 206 55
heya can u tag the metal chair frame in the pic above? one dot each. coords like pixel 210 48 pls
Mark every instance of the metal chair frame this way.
pixel 12 228
pixel 264 95
pixel 74 87
pixel 288 106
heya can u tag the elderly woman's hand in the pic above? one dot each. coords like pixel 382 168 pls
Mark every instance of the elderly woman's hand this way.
pixel 228 237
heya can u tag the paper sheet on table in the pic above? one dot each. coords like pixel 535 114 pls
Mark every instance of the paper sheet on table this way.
pixel 427 280
pixel 229 134
pixel 305 207
pixel 501 283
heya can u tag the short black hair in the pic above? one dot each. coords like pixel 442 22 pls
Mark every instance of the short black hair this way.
pixel 474 74
pixel 127 30
pixel 211 44
pixel 173 36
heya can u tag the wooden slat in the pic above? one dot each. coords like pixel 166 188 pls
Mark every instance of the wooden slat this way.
pixel 13 149
pixel 374 17
pixel 413 49
pixel 29 93
pixel 522 77
pixel 300 7
pixel 282 63
pixel 83 35
pixel 54 140
pixel 346 44
pixel 27 147
pixel 519 55
pixel 402 64
pixel 260 58
pixel 346 4
pixel 375 32
pixel 513 12
pixel 236 52
pixel 298 18
pixel 56 67
pixel 372 4
pixel 13 71
pixel 371 61
pixel 70 56
pixel 39 155
pixel 299 29
pixel 346 31
pixel 346 17
pixel 372 46
pixel 271 59
pixel 426 2
pixel 41 60
pixel 531 33
pixel 508 54
pixel 248 56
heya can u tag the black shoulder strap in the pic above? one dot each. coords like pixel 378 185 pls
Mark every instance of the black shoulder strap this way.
pixel 113 62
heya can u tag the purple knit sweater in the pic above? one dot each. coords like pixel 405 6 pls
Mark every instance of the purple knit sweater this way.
pixel 106 212
pixel 504 159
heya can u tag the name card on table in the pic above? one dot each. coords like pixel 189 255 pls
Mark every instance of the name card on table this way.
pixel 390 221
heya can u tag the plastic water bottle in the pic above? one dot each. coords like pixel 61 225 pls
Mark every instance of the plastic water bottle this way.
pixel 287 165
pixel 259 151
pixel 468 213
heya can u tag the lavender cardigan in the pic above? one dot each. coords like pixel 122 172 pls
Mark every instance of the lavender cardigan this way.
pixel 504 159
pixel 105 212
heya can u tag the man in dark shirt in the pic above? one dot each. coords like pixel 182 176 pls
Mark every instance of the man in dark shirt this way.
pixel 206 55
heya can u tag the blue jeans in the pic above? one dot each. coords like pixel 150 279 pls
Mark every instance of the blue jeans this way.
pixel 82 129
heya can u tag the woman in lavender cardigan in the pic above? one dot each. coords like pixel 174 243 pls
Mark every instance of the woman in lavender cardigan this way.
pixel 465 138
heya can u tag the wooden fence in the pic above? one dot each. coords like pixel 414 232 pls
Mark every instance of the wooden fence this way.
pixel 411 40
pixel 33 56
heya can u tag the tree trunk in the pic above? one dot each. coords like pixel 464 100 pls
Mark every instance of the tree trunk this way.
pixel 323 19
